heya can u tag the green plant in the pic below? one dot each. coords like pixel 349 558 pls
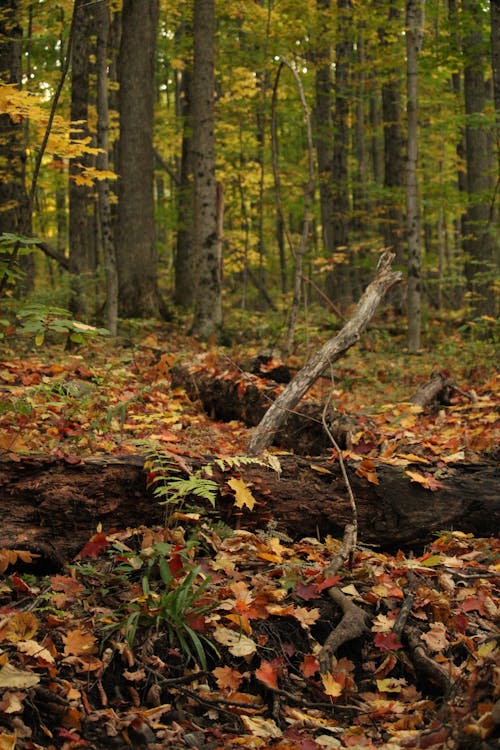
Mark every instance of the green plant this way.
pixel 171 487
pixel 172 598
pixel 11 247
pixel 39 320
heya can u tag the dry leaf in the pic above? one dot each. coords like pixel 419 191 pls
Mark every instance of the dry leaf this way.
pixel 32 648
pixel 11 677
pixel 237 643
pixel 227 677
pixel 78 642
pixel 243 496
pixel 20 627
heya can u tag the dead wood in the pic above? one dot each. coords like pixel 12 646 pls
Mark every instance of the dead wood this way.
pixel 228 393
pixel 52 506
pixel 436 391
pixel 354 623
pixel 276 416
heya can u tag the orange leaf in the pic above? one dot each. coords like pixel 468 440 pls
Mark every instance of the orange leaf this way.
pixel 267 674
pixel 78 642
pixel 309 665
pixel 227 677
pixel 366 469
pixel 426 480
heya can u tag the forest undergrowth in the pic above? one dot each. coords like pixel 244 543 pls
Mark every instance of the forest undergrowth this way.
pixel 197 634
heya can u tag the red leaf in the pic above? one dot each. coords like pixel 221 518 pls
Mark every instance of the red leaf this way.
pixel 19 584
pixel 309 665
pixel 387 641
pixel 306 592
pixel 96 544
pixel 175 563
pixel 328 583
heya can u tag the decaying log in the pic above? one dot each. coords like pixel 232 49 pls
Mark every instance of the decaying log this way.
pixel 52 506
pixel 436 390
pixel 228 394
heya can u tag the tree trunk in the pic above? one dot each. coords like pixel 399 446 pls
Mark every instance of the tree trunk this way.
pixel 82 229
pixel 105 218
pixel 479 243
pixel 15 213
pixel 207 248
pixel 323 127
pixel 414 33
pixel 495 68
pixel 136 248
pixel 52 507
pixel 340 282
pixel 183 261
pixel 394 165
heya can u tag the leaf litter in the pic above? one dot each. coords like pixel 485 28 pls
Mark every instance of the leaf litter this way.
pixel 165 638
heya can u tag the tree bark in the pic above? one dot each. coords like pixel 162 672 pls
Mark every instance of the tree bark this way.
pixel 394 167
pixel 277 415
pixel 414 34
pixel 207 248
pixel 82 227
pixel 103 189
pixel 52 506
pixel 480 242
pixel 15 211
pixel 136 248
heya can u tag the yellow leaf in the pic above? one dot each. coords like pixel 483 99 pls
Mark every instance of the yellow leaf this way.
pixel 332 687
pixel 388 685
pixel 11 677
pixel 243 495
pixel 8 741
pixel 20 627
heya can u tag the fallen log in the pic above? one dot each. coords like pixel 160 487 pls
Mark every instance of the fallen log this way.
pixel 52 506
pixel 229 393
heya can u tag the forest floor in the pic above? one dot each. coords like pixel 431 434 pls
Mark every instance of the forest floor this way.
pixel 195 634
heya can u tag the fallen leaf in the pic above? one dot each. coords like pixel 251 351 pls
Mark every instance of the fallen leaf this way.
pixel 331 685
pixel 243 496
pixel 237 643
pixel 11 677
pixel 33 648
pixel 20 627
pixel 78 643
pixel 227 677
pixel 268 674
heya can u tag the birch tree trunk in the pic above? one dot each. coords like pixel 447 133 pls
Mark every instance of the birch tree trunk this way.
pixel 414 35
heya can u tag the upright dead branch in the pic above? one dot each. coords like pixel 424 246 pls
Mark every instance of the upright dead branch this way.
pixel 329 353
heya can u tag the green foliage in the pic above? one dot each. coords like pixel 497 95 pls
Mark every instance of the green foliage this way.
pixel 12 246
pixel 171 487
pixel 172 597
pixel 38 321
